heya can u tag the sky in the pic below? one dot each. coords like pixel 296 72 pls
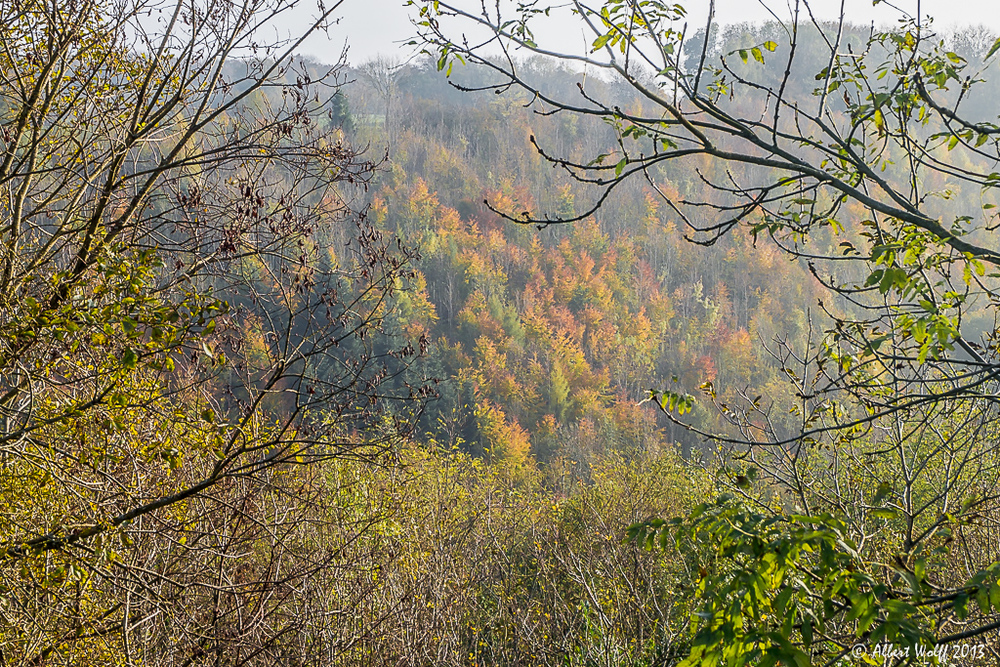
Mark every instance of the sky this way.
pixel 373 27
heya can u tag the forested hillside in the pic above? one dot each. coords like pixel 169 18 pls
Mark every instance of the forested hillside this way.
pixel 547 339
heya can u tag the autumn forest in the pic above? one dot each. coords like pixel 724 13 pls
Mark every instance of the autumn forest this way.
pixel 680 350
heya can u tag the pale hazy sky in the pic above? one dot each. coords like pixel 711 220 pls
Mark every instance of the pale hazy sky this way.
pixel 371 27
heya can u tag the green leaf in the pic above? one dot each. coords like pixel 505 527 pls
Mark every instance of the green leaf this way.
pixel 770 46
pixel 962 605
pixel 866 620
pixel 783 597
pixel 993 49
pixel 620 166
pixel 859 606
pixel 130 358
pixel 983 600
